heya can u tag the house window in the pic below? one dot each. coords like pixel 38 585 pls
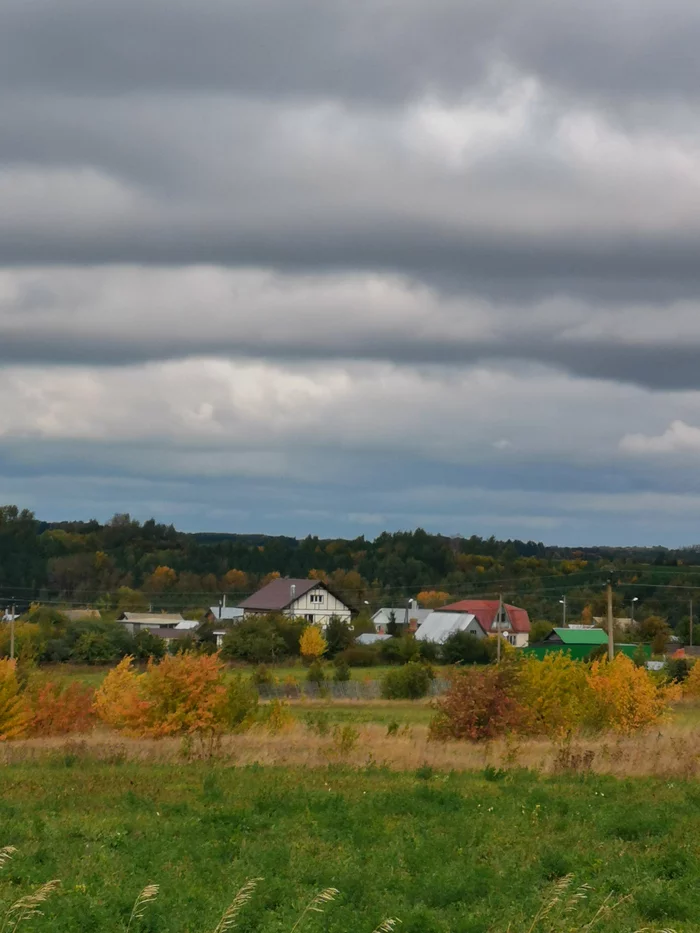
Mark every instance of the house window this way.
pixel 316 598
pixel 512 639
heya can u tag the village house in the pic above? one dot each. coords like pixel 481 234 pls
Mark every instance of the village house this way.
pixel 409 617
pixel 311 600
pixel 224 613
pixel 514 623
pixel 136 621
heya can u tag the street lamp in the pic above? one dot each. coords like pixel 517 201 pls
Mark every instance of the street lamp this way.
pixel 635 599
pixel 563 611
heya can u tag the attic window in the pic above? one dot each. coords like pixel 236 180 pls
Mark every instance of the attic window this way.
pixel 316 598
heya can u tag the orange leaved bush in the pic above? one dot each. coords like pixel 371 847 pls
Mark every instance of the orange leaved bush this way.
pixel 57 709
pixel 478 705
pixel 628 699
pixel 554 696
pixel 184 694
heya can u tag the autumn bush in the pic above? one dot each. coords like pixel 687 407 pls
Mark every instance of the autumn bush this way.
pixel 627 697
pixel 14 717
pixel 183 694
pixel 479 704
pixel 691 686
pixel 410 682
pixel 59 709
pixel 555 694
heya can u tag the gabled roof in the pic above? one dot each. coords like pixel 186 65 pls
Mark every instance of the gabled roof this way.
pixel 485 611
pixel 578 636
pixel 370 638
pixel 151 617
pixel 226 613
pixel 440 625
pixel 277 595
pixel 420 615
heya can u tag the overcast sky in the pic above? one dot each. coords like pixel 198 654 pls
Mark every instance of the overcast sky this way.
pixel 339 266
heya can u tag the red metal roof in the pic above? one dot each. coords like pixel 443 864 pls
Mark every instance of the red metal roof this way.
pixel 485 611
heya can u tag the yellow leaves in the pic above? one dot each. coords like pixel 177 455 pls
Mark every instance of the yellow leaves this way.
pixel 628 699
pixel 432 599
pixel 14 716
pixel 162 579
pixel 312 644
pixel 556 693
pixel 691 687
pixel 235 580
pixel 562 695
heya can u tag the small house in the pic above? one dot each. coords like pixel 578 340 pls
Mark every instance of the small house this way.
pixel 439 625
pixel 311 600
pixel 410 617
pixel 513 623
pixel 136 621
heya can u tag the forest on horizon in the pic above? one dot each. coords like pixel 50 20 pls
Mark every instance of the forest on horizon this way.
pixel 125 563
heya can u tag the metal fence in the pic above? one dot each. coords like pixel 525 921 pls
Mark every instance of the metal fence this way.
pixel 331 690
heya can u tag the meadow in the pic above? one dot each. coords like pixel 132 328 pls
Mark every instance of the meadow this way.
pixel 456 852
pixel 517 834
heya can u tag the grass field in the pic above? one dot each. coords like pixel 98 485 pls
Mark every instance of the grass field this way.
pixel 443 852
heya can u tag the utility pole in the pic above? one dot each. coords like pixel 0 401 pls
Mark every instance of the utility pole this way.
pixel 611 638
pixel 691 621
pixel 498 629
pixel 12 630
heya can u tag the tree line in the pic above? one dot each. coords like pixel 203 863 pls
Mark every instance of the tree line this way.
pixel 125 564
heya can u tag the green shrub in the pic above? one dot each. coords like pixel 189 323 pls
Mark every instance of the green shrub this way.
pixel 316 674
pixel 262 676
pixel 677 670
pixel 410 682
pixel 342 672
pixel 359 656
pixel 465 648
pixel 241 703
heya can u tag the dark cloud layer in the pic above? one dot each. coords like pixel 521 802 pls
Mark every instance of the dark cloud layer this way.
pixel 386 51
pixel 321 265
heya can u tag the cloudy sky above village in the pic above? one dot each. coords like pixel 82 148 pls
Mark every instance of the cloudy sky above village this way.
pixel 336 266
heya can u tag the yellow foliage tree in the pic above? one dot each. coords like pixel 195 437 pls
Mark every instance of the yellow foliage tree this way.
pixel 556 694
pixel 318 575
pixel 162 579
pixel 268 578
pixel 432 599
pixel 312 644
pixel 235 581
pixel 184 694
pixel 14 715
pixel 628 699
pixel 118 702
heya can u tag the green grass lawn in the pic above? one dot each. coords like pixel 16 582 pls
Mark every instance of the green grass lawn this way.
pixel 453 853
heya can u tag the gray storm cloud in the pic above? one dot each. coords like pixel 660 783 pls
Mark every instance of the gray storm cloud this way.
pixel 311 243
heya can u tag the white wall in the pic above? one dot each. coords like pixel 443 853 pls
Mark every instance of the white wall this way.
pixel 321 610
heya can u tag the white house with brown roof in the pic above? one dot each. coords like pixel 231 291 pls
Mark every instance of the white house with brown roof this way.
pixel 306 599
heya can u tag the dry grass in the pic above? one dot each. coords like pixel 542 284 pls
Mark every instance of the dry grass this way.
pixel 670 751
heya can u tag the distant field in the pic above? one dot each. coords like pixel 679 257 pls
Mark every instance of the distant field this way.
pixel 445 853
